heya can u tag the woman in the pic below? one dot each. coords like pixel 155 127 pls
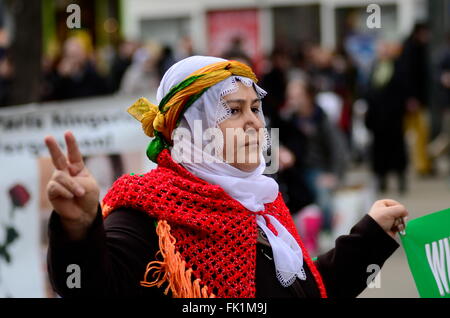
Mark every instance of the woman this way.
pixel 222 229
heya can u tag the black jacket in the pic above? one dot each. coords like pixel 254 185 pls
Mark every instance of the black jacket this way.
pixel 114 255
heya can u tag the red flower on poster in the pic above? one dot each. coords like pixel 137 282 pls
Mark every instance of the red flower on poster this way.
pixel 19 195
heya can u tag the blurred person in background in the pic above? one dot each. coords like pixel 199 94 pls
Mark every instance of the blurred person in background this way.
pixel 316 148
pixel 413 68
pixel 333 107
pixel 298 197
pixel 121 61
pixel 6 68
pixel 299 61
pixel 75 75
pixel 441 144
pixel 48 67
pixel 444 75
pixel 142 76
pixel 345 88
pixel 237 52
pixel 321 71
pixel 333 75
pixel 184 49
pixel 6 77
pixel 275 81
pixel 292 169
pixel 385 118
pixel 166 60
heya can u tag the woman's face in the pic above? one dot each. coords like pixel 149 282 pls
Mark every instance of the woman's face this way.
pixel 241 131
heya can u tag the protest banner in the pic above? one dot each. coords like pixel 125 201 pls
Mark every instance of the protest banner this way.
pixel 112 144
pixel 426 244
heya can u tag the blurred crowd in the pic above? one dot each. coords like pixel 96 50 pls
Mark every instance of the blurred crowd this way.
pixel 310 98
pixel 76 69
pixel 79 71
pixel 324 103
pixel 332 112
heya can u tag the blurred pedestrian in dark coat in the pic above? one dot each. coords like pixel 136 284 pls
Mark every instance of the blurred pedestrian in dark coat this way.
pixel 413 67
pixel 385 118
pixel 275 81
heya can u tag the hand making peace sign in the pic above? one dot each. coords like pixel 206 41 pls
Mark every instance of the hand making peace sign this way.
pixel 72 190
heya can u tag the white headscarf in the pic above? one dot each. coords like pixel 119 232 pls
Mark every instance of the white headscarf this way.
pixel 251 189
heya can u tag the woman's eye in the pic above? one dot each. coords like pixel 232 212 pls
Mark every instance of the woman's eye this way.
pixel 255 110
pixel 234 111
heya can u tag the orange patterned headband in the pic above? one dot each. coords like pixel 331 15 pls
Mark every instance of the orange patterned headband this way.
pixel 160 121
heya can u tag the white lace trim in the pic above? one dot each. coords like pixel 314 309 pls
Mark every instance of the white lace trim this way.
pixel 287 254
pixel 287 280
pixel 223 112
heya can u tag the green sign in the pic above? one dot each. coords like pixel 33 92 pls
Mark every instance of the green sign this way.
pixel 427 248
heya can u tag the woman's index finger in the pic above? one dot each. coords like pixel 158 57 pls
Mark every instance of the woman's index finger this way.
pixel 58 158
pixel 390 202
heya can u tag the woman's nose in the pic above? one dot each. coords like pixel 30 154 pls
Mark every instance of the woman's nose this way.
pixel 252 120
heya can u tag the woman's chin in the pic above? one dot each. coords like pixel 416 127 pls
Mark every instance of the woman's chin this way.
pixel 246 166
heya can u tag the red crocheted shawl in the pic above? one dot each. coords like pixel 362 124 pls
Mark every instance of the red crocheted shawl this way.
pixel 215 235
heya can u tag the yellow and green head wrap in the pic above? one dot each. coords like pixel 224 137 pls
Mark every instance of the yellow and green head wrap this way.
pixel 160 121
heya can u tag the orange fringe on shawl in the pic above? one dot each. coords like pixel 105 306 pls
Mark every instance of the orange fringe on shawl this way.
pixel 173 269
